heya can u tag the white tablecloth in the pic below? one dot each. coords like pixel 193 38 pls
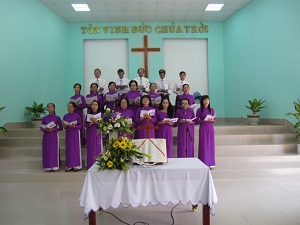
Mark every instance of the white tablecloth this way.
pixel 178 181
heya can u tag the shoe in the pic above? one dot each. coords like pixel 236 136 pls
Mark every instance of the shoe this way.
pixel 76 170
pixel 69 169
pixel 55 170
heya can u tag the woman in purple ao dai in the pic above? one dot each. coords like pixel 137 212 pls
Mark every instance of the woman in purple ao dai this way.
pixel 51 125
pixel 185 137
pixel 142 118
pixel 79 100
pixel 165 126
pixel 93 96
pixel 72 124
pixel 133 96
pixel 123 111
pixel 206 133
pixel 111 98
pixel 93 137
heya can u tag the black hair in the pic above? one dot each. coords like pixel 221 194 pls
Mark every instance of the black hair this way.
pixel 142 69
pixel 121 100
pixel 96 70
pixel 203 97
pixel 120 71
pixel 99 107
pixel 170 110
pixel 162 71
pixel 185 99
pixel 73 104
pixel 95 84
pixel 76 85
pixel 112 82
pixel 145 96
pixel 133 81
pixel 50 103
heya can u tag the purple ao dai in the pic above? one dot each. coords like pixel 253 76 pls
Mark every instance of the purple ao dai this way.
pixel 165 131
pixel 206 151
pixel 50 143
pixel 73 145
pixel 185 137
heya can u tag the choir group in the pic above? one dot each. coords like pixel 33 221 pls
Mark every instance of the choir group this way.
pixel 129 99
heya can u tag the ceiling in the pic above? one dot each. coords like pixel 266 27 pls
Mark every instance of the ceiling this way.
pixel 143 10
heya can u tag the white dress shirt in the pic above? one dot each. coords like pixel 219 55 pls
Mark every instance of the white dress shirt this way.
pixel 123 81
pixel 144 82
pixel 179 84
pixel 100 82
pixel 163 84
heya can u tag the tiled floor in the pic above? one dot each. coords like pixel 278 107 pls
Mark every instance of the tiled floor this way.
pixel 260 201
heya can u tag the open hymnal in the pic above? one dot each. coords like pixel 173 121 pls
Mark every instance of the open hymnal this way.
pixel 90 100
pixel 155 147
pixel 156 100
pixel 49 125
pixel 122 86
pixel 150 112
pixel 193 106
pixel 173 120
pixel 189 120
pixel 77 101
pixel 70 123
pixel 134 101
pixel 111 98
pixel 209 117
pixel 89 116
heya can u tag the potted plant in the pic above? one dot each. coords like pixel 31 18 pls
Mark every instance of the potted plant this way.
pixel 35 111
pixel 255 106
pixel 297 124
pixel 3 130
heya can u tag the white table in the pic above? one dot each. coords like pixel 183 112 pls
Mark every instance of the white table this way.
pixel 178 181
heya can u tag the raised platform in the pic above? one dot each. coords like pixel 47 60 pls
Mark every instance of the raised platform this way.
pixel 242 151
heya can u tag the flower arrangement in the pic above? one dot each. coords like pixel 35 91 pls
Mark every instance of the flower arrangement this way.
pixel 114 122
pixel 118 154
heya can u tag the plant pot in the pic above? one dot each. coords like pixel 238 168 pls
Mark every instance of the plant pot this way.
pixel 36 123
pixel 298 148
pixel 253 119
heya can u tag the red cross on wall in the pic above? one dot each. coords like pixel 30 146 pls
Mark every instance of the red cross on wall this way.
pixel 145 50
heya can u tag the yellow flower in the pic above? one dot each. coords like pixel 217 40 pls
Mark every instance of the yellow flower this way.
pixel 115 144
pixel 109 164
pixel 130 145
pixel 123 145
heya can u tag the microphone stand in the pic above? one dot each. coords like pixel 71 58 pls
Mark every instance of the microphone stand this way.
pixel 187 133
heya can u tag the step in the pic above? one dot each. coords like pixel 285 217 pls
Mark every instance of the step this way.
pixel 25 141
pixel 255 173
pixel 242 129
pixel 38 175
pixel 20 152
pixel 257 162
pixel 258 150
pixel 29 163
pixel 28 132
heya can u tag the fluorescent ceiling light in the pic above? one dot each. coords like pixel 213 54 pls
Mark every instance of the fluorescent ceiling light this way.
pixel 81 7
pixel 214 7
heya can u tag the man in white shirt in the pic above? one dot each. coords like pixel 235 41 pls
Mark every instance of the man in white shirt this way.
pixel 178 85
pixel 143 82
pixel 100 82
pixel 163 84
pixel 122 83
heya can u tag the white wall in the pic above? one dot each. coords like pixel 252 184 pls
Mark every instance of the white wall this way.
pixel 189 55
pixel 107 55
